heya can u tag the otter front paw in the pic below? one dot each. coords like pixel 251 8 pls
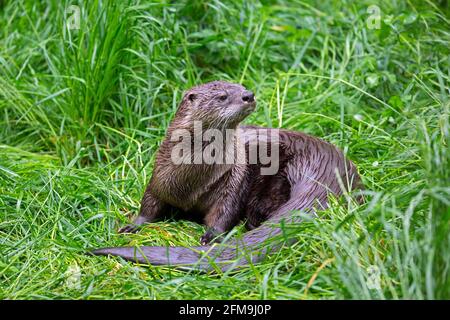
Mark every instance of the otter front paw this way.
pixel 209 236
pixel 129 228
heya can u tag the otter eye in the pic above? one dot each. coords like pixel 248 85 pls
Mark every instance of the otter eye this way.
pixel 222 97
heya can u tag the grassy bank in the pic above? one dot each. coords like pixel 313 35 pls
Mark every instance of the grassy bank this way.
pixel 85 102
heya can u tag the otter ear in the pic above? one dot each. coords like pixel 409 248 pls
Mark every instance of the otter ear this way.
pixel 191 97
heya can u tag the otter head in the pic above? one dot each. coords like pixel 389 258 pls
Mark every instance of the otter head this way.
pixel 219 103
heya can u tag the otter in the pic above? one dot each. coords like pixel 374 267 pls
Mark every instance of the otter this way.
pixel 221 194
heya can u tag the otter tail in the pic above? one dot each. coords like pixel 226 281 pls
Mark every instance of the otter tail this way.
pixel 156 255
pixel 238 252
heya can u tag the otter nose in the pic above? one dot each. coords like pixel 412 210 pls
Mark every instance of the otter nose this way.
pixel 248 96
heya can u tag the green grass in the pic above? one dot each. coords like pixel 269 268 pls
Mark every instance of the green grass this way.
pixel 82 113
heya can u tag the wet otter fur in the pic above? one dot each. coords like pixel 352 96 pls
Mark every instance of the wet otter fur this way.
pixel 223 194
